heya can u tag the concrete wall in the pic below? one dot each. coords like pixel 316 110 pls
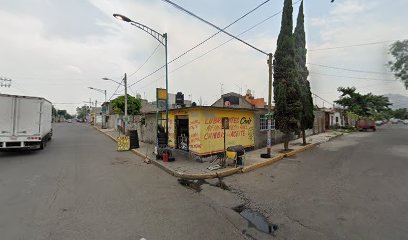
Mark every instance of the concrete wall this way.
pixel 261 136
pixel 318 122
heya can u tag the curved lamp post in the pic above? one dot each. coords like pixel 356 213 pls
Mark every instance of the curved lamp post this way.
pixel 99 90
pixel 162 38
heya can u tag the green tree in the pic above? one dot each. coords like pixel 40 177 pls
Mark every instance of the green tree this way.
pixel 307 116
pixel 54 111
pixel 400 113
pixel 286 89
pixel 62 113
pixel 134 105
pixel 399 50
pixel 367 105
pixel 81 112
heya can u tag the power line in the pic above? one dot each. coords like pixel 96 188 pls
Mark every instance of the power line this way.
pixel 331 103
pixel 210 37
pixel 350 70
pixel 66 103
pixel 214 26
pixel 354 45
pixel 213 49
pixel 151 55
pixel 215 34
pixel 353 77
pixel 116 90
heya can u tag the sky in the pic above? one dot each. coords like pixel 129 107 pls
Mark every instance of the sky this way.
pixel 57 49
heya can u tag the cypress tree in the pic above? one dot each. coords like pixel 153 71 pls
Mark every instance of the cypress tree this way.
pixel 286 89
pixel 307 116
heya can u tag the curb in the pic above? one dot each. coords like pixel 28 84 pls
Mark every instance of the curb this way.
pixel 225 173
pixel 105 134
pixel 217 174
pixel 277 158
pixel 263 164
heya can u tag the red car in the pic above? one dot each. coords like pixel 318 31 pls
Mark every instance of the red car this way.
pixel 366 124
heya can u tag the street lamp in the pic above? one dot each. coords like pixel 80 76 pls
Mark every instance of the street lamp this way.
pixel 162 38
pixel 108 79
pixel 123 84
pixel 99 90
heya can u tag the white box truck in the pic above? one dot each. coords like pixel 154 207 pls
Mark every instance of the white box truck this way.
pixel 25 122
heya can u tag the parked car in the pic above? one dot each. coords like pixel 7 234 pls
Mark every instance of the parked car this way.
pixel 69 120
pixel 365 124
pixel 394 121
pixel 406 121
pixel 379 122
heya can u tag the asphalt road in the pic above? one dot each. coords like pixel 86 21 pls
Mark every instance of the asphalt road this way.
pixel 354 187
pixel 80 187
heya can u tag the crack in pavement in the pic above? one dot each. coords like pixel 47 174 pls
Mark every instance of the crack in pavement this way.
pixel 304 225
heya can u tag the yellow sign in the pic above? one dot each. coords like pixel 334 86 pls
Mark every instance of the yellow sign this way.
pixel 123 143
pixel 207 135
pixel 161 94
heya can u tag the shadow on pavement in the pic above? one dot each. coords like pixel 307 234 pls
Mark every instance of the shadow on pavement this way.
pixel 7 154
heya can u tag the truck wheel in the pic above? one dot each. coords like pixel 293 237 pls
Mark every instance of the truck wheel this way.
pixel 42 145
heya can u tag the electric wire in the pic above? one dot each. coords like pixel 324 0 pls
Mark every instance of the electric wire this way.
pixel 349 70
pixel 214 26
pixel 354 45
pixel 215 34
pixel 353 77
pixel 211 50
pixel 116 90
pixel 151 55
pixel 210 37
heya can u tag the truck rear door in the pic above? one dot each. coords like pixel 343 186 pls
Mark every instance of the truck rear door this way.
pixel 6 115
pixel 28 116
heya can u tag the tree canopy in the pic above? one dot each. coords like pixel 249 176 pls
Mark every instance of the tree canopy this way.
pixel 307 116
pixel 399 50
pixel 81 112
pixel 286 88
pixel 364 105
pixel 134 105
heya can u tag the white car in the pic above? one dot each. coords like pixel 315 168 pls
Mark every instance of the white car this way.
pixel 406 121
pixel 379 122
pixel 394 121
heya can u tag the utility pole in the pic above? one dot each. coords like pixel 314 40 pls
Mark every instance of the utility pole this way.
pixel 126 96
pixel 270 64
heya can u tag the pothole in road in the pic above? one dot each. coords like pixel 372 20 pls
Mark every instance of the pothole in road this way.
pixel 193 184
pixel 196 184
pixel 256 219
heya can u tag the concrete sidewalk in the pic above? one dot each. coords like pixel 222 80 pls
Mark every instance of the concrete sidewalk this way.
pixel 186 167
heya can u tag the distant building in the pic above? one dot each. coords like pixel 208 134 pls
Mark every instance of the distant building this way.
pixel 235 100
pixel 173 104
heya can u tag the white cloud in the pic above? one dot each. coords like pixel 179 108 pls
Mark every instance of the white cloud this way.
pixel 60 66
pixel 349 7
pixel 351 23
